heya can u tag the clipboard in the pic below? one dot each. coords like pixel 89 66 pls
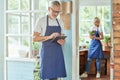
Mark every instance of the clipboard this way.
pixel 59 37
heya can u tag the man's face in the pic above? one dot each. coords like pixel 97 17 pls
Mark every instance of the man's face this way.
pixel 54 11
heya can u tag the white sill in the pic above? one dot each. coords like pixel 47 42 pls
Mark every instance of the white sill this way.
pixel 21 59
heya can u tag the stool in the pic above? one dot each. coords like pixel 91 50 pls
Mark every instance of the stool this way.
pixel 104 63
pixel 104 66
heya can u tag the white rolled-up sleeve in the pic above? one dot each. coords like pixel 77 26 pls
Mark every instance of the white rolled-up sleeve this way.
pixel 38 27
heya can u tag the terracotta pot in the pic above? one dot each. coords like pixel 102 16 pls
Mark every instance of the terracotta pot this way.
pixel 106 46
pixel 35 53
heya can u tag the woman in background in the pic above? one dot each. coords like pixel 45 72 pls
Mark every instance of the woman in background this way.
pixel 95 49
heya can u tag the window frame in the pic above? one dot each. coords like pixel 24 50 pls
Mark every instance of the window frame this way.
pixel 84 37
pixel 96 13
pixel 30 11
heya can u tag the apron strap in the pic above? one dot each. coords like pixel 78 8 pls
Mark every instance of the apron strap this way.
pixel 48 21
pixel 58 22
pixel 97 32
pixel 97 29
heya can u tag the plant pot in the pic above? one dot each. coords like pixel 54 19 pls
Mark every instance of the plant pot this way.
pixel 23 53
pixel 35 52
pixel 106 46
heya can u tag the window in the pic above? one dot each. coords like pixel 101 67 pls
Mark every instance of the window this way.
pixel 20 18
pixel 86 16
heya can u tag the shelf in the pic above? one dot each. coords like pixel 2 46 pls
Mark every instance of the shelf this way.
pixel 24 11
pixel 19 35
pixel 21 59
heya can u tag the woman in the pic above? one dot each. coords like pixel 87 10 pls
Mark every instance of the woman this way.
pixel 95 49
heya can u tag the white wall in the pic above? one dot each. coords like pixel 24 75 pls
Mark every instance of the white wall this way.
pixel 1 39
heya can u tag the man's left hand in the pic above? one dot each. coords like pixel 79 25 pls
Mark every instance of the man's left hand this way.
pixel 61 41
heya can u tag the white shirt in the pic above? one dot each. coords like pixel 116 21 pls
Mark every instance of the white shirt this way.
pixel 93 28
pixel 41 25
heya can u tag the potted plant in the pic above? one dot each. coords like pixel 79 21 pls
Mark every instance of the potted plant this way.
pixel 35 48
pixel 106 43
pixel 92 33
pixel 37 69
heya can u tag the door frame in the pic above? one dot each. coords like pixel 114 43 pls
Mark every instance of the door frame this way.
pixel 75 42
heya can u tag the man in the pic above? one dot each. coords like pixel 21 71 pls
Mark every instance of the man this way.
pixel 52 64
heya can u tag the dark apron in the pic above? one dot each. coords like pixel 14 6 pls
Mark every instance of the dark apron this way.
pixel 95 49
pixel 51 57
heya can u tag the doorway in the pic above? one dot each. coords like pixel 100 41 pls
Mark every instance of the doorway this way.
pixel 87 11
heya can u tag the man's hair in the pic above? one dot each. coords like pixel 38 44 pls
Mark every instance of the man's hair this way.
pixel 54 2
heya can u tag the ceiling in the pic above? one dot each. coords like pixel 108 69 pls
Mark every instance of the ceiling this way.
pixel 95 2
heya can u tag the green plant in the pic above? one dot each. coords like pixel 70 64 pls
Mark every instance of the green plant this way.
pixel 35 45
pixel 25 42
pixel 91 33
pixel 81 40
pixel 35 49
pixel 37 75
pixel 106 39
pixel 106 43
pixel 37 71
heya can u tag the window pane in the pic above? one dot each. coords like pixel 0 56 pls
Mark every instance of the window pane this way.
pixel 39 5
pixel 13 4
pixel 24 4
pixel 13 23
pixel 107 12
pixel 87 12
pixel 35 16
pixel 103 12
pixel 42 4
pixel 85 27
pixel 18 47
pixel 25 24
pixel 18 24
pixel 107 27
pixel 100 12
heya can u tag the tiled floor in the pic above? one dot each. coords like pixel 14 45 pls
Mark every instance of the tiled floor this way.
pixel 92 77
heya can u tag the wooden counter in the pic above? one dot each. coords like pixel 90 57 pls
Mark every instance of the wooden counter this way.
pixel 105 63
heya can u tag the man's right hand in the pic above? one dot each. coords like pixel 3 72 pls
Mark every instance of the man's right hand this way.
pixel 53 35
pixel 38 38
